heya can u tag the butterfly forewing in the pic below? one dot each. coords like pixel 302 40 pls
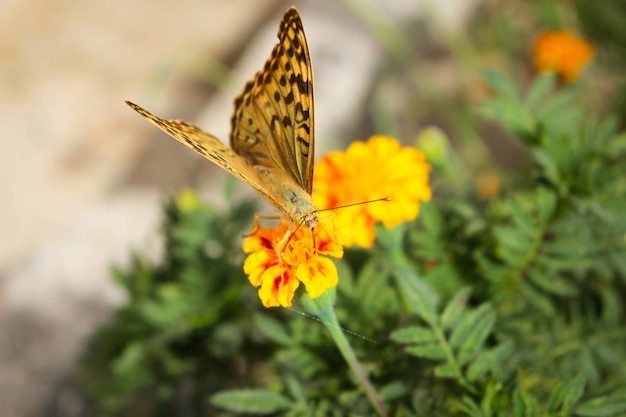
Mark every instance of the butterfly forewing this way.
pixel 206 145
pixel 272 142
pixel 272 124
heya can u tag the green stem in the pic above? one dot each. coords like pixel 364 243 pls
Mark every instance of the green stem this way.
pixel 322 307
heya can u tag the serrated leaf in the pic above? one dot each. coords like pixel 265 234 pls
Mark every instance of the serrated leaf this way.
pixel 546 202
pixel 524 404
pixel 566 393
pixel 524 222
pixel 455 307
pixel 602 407
pixel 470 407
pixel 272 329
pixel 487 361
pixel 501 84
pixel 540 87
pixel 473 328
pixel 418 295
pixel 555 109
pixel 447 370
pixel 414 334
pixel 481 330
pixel 513 244
pixel 612 308
pixel 432 351
pixel 130 358
pixel 548 166
pixel 393 391
pixel 542 302
pixel 251 401
pixel 616 146
pixel 553 284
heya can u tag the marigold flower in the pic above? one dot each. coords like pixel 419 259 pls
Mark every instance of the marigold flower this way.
pixel 367 171
pixel 562 52
pixel 279 271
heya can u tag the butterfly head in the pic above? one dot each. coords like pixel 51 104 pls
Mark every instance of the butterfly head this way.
pixel 307 218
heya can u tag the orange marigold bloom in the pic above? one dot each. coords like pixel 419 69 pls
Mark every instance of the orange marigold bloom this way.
pixel 562 52
pixel 302 260
pixel 367 171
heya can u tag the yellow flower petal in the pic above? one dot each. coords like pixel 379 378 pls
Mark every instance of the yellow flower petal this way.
pixel 367 171
pixel 318 275
pixel 278 271
pixel 278 287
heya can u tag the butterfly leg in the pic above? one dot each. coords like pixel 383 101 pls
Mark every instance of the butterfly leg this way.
pixel 257 226
pixel 279 250
pixel 313 238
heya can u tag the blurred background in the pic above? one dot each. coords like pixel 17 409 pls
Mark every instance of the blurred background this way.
pixel 82 177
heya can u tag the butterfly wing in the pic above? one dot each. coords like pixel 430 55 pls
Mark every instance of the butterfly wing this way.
pixel 272 124
pixel 208 146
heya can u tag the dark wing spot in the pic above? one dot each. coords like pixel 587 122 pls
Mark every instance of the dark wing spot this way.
pixel 289 98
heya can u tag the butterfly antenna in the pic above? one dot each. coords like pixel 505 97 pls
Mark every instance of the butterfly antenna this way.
pixel 357 204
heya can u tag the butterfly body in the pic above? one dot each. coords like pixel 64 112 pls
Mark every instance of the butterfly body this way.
pixel 271 139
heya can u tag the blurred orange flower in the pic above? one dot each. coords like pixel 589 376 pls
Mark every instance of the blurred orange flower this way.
pixel 562 52
pixel 367 171
pixel 279 271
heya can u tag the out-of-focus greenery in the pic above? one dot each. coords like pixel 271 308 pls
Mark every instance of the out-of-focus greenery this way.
pixel 510 300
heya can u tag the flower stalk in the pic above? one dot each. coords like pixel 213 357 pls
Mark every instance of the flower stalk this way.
pixel 323 308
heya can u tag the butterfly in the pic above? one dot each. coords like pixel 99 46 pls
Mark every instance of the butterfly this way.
pixel 271 137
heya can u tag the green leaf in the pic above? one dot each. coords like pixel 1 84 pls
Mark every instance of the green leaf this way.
pixel 418 295
pixel 553 284
pixel 251 401
pixel 455 307
pixel 447 370
pixel 432 351
pixel 524 404
pixel 540 87
pixel 567 393
pixel 272 329
pixel 524 222
pixel 393 391
pixel 130 358
pixel 414 334
pixel 546 203
pixel 548 166
pixel 479 333
pixel 617 146
pixel 536 298
pixel 471 408
pixel 554 111
pixel 612 308
pixel 602 407
pixel 473 328
pixel 502 85
pixel 488 360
